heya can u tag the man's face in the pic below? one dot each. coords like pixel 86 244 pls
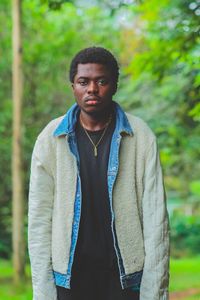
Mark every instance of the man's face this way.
pixel 93 87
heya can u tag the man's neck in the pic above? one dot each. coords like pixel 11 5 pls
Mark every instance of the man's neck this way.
pixel 95 122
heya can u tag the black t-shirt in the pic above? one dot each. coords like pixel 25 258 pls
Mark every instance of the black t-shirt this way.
pixel 94 248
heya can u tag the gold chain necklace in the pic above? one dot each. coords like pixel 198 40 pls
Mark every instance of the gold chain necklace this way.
pixel 101 137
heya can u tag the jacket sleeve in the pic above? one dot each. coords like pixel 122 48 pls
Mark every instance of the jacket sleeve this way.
pixel 155 279
pixel 41 195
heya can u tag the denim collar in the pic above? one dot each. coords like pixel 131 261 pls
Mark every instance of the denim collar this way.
pixel 67 125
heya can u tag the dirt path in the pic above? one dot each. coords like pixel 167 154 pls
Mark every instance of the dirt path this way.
pixel 182 295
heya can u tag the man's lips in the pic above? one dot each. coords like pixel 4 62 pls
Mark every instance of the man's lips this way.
pixel 92 100
pixel 95 98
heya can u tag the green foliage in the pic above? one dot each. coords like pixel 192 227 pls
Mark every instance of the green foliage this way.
pixel 162 80
pixel 55 4
pixel 185 238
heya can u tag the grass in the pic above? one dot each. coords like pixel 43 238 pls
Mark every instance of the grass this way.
pixel 196 297
pixel 185 275
pixel 8 290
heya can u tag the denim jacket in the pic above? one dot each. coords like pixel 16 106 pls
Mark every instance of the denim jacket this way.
pixel 137 204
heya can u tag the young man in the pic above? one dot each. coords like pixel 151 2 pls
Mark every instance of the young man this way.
pixel 98 226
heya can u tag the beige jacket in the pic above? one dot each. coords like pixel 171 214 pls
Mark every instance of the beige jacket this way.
pixel 139 206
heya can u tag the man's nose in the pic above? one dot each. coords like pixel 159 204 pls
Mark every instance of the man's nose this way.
pixel 93 87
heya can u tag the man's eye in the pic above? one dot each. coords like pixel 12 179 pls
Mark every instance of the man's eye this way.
pixel 102 82
pixel 83 83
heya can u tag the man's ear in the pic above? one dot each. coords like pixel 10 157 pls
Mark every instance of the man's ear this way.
pixel 72 85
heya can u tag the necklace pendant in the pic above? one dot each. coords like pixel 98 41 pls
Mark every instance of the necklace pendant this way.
pixel 95 151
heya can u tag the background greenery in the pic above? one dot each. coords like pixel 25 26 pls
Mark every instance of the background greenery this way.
pixel 158 46
pixel 185 274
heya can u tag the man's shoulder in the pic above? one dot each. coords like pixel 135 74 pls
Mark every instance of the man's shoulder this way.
pixel 45 142
pixel 139 126
pixel 49 129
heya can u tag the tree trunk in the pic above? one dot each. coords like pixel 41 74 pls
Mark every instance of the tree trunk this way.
pixel 17 168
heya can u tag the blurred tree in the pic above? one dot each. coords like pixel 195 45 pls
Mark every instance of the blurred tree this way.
pixel 17 170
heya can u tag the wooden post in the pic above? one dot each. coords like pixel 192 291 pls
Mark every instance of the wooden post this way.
pixel 17 168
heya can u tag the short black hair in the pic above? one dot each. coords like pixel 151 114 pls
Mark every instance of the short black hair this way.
pixel 97 55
